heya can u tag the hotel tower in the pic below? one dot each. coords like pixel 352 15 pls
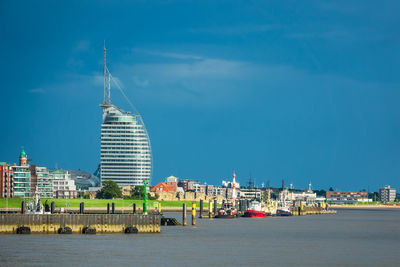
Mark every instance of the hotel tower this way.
pixel 125 145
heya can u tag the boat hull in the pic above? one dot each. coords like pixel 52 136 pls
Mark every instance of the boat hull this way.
pixel 254 214
pixel 225 216
pixel 285 214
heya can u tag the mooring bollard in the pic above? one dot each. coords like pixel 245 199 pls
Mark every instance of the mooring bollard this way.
pixel 215 207
pixel 46 207
pixel 113 208
pixel 134 208
pixel 108 208
pixel 82 207
pixel 209 209
pixel 201 209
pixel 23 207
pixel 184 214
pixel 193 213
pixel 52 206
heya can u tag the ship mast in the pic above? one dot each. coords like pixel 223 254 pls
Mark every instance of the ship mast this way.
pixel 234 189
pixel 105 73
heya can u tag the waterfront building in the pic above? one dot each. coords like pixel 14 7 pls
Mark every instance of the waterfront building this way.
pixel 387 194
pixel 125 145
pixel 307 195
pixel 63 185
pixel 219 191
pixel 173 182
pixel 209 190
pixel 228 184
pixel 125 148
pixel 163 187
pixel 127 190
pixel 188 185
pixel 41 182
pixel 249 193
pixel 6 180
pixel 346 197
pixel 29 179
pixel 22 177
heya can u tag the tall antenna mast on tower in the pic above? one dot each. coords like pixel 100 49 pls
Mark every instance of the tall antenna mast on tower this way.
pixel 105 73
pixel 109 87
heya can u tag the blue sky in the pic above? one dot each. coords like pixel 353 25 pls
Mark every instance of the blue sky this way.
pixel 306 90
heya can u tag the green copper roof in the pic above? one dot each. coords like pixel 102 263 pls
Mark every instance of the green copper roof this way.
pixel 23 154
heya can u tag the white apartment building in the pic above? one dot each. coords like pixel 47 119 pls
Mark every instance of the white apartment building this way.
pixel 387 194
pixel 63 185
pixel 125 148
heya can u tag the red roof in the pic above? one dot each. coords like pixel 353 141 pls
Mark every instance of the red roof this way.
pixel 162 187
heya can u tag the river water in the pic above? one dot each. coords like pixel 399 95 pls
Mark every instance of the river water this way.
pixel 349 238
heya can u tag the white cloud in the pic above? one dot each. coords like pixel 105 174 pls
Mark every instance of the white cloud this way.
pixel 82 45
pixel 167 54
pixel 139 82
pixel 237 30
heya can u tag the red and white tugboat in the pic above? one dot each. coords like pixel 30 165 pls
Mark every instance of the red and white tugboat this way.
pixel 228 210
pixel 255 210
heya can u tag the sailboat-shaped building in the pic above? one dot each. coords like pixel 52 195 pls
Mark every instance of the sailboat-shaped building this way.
pixel 125 145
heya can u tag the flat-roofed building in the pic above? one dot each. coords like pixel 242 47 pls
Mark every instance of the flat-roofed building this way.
pixel 247 193
pixel 6 180
pixel 41 182
pixel 63 185
pixel 308 196
pixel 346 197
pixel 387 194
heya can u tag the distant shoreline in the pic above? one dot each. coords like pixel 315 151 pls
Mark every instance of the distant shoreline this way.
pixel 365 206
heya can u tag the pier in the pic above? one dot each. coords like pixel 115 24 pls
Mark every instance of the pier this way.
pixel 80 223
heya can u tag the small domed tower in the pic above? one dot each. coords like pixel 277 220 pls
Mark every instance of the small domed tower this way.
pixel 23 159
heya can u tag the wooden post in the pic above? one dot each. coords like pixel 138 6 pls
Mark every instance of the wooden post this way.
pixel 184 214
pixel 82 208
pixel 134 208
pixel 22 207
pixel 201 209
pixel 113 208
pixel 215 207
pixel 193 213
pixel 209 209
pixel 108 208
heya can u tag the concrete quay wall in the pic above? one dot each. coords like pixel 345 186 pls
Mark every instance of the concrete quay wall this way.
pixel 103 223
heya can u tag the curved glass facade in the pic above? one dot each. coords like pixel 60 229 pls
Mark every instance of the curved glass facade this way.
pixel 125 148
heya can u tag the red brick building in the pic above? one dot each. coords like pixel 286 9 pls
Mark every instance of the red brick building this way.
pixel 6 180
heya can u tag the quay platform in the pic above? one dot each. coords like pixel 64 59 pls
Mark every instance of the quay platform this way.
pixel 79 223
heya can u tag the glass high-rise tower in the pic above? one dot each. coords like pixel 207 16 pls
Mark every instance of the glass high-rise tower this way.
pixel 125 145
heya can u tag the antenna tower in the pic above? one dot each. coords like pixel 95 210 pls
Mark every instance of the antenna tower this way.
pixel 107 84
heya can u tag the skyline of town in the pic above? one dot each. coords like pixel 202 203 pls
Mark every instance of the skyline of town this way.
pixel 311 96
pixel 243 181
